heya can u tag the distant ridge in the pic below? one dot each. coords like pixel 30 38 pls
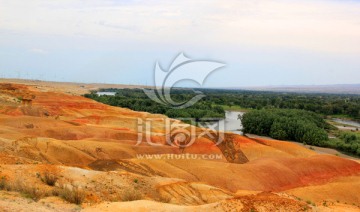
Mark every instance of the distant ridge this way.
pixel 86 87
pixel 330 89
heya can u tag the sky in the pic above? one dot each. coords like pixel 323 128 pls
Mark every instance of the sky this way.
pixel 262 42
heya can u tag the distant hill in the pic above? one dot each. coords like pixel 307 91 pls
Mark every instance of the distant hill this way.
pixel 335 89
pixel 82 88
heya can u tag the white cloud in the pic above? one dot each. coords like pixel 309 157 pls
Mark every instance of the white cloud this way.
pixel 318 25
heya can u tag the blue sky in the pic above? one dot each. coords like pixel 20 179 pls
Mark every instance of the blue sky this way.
pixel 264 42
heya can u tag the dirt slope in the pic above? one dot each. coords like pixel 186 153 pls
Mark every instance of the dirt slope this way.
pixel 94 146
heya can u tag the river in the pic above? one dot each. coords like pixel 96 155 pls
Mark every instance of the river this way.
pixel 231 122
pixel 347 122
pixel 108 93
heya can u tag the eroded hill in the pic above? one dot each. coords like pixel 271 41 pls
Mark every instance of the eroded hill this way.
pixel 93 150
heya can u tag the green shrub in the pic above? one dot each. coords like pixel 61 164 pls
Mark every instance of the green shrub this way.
pixel 346 141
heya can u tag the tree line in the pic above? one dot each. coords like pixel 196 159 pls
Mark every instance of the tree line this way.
pixel 287 124
pixel 136 99
pixel 299 125
pixel 326 104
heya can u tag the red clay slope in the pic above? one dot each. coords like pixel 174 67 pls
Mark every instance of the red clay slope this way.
pixel 72 130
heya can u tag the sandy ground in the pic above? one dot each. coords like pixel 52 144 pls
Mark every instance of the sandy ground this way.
pixel 320 150
pixel 13 201
pixel 72 88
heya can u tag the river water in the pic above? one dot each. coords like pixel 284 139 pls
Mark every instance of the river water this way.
pixel 231 122
pixel 352 123
pixel 108 93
